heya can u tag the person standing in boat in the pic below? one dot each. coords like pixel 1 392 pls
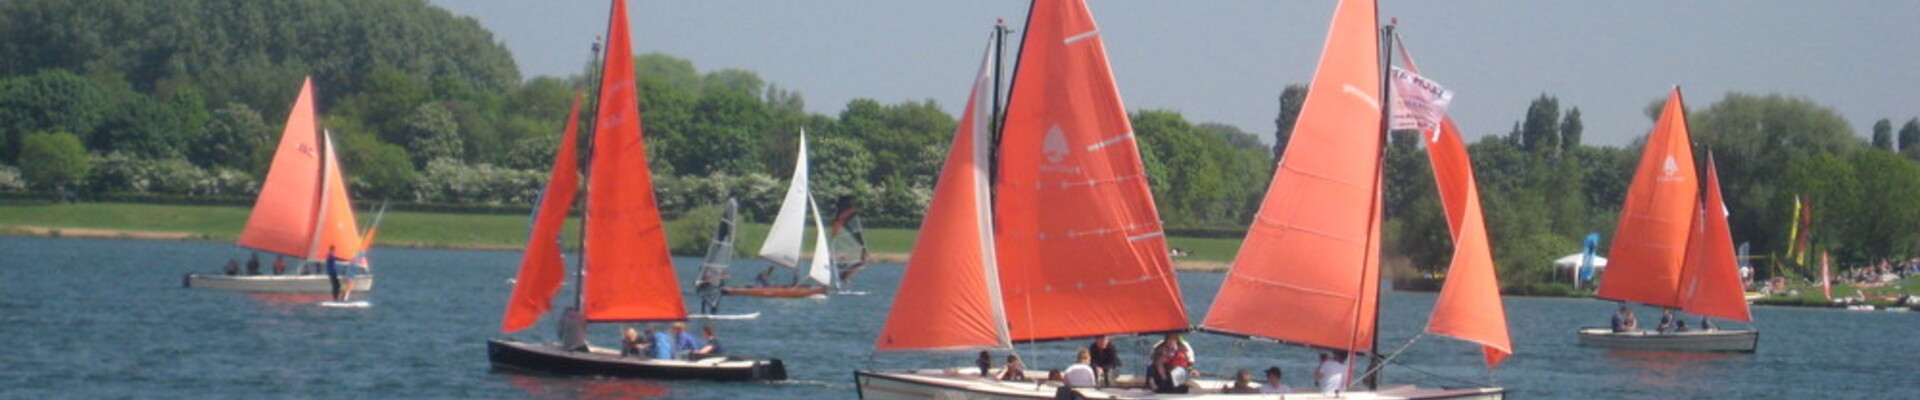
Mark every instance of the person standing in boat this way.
pixel 333 274
pixel 1106 359
pixel 1624 321
pixel 985 362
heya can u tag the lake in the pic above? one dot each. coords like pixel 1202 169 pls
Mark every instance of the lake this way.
pixel 101 318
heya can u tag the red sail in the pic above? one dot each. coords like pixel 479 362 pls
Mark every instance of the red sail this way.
pixel 1469 305
pixel 285 213
pixel 1711 284
pixel 1643 266
pixel 629 273
pixel 338 231
pixel 948 298
pixel 542 269
pixel 1308 271
pixel 1080 245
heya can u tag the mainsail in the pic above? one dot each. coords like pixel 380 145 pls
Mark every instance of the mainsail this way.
pixel 1079 242
pixel 542 268
pixel 630 274
pixel 1643 266
pixel 1308 272
pixel 303 209
pixel 949 297
pixel 788 232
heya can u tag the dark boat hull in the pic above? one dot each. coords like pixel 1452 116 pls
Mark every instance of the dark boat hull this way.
pixel 550 359
pixel 783 292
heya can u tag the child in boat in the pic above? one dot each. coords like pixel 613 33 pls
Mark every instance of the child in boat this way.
pixel 1015 371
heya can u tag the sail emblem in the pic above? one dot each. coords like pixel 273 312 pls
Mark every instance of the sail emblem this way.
pixel 1054 146
pixel 1668 169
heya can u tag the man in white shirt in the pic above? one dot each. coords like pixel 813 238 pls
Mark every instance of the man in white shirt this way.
pixel 1080 374
pixel 1333 374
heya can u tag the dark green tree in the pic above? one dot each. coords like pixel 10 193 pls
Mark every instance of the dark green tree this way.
pixel 1910 137
pixel 49 101
pixel 1540 132
pixel 236 137
pixel 431 134
pixel 1570 130
pixel 1883 134
pixel 1291 99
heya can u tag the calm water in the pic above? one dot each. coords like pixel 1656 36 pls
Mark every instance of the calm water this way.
pixel 83 318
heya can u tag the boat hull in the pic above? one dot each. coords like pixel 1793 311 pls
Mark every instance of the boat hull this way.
pixel 953 385
pixel 550 359
pixel 1736 341
pixel 782 292
pixel 312 283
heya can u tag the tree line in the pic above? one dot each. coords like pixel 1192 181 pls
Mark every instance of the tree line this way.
pixel 186 99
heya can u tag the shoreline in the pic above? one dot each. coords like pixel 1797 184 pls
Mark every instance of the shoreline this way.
pixel 98 233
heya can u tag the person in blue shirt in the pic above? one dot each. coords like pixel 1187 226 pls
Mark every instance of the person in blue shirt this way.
pixel 683 343
pixel 333 274
pixel 662 344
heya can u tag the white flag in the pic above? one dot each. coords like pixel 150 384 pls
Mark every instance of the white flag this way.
pixel 1418 103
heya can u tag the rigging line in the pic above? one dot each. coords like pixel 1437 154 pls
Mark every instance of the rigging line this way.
pixel 1396 353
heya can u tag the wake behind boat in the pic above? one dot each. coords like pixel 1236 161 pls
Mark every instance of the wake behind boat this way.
pixel 623 244
pixel 302 213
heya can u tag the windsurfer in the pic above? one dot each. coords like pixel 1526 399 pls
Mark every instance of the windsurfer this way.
pixel 333 274
pixel 765 278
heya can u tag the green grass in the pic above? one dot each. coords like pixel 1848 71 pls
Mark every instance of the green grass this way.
pixel 1810 295
pixel 402 228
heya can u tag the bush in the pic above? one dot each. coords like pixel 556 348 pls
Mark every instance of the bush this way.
pixel 449 181
pixel 692 232
pixel 53 160
pixel 10 180
pixel 1544 289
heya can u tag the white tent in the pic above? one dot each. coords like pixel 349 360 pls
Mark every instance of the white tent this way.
pixel 1572 261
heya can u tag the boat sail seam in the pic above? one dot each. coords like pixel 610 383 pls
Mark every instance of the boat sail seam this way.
pixel 1082 35
pixel 1271 283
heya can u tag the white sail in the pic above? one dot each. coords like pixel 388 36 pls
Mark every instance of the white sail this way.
pixel 822 270
pixel 785 237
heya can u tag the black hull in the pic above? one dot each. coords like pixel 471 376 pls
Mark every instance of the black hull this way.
pixel 548 359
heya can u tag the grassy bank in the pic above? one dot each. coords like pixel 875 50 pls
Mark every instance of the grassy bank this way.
pixel 1810 295
pixel 411 229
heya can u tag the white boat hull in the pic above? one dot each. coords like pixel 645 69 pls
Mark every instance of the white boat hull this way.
pixel 955 385
pixel 1741 341
pixel 312 283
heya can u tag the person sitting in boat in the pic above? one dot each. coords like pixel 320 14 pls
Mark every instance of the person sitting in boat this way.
pixel 1106 359
pixel 630 344
pixel 1666 321
pixel 985 362
pixel 713 343
pixel 765 278
pixel 1624 321
pixel 1160 376
pixel 683 342
pixel 233 266
pixel 1274 384
pixel 1333 373
pixel 1707 325
pixel 253 265
pixel 1242 384
pixel 279 265
pixel 1679 325
pixel 1179 355
pixel 1080 374
pixel 1015 371
pixel 661 343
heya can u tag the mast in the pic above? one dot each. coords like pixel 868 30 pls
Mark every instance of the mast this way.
pixel 1386 108
pixel 586 172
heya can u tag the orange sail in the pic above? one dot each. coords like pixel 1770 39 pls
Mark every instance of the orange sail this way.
pixel 1711 284
pixel 338 231
pixel 541 267
pixel 629 273
pixel 949 297
pixel 284 215
pixel 1469 305
pixel 1650 243
pixel 1080 246
pixel 1308 271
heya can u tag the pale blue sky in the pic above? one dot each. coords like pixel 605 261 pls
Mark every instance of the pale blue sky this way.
pixel 1226 60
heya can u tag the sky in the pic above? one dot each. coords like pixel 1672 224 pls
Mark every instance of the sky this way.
pixel 1227 60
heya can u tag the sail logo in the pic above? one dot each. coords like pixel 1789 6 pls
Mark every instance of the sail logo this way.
pixel 1668 169
pixel 1053 147
pixel 305 149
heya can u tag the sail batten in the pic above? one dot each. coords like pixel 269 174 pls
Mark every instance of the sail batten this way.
pixel 1307 271
pixel 629 274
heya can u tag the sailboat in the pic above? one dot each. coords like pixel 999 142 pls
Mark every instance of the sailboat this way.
pixel 1674 249
pixel 624 248
pixel 848 240
pixel 784 241
pixel 303 213
pixel 713 268
pixel 1048 233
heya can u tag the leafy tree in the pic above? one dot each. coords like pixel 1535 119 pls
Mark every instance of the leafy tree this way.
pixel 1540 132
pixel 49 101
pixel 1291 99
pixel 53 161
pixel 1883 134
pixel 1570 130
pixel 1827 183
pixel 1754 140
pixel 431 135
pixel 1883 224
pixel 1910 137
pixel 235 137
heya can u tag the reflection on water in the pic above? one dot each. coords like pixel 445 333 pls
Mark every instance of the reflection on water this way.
pixel 545 387
pixel 1662 371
